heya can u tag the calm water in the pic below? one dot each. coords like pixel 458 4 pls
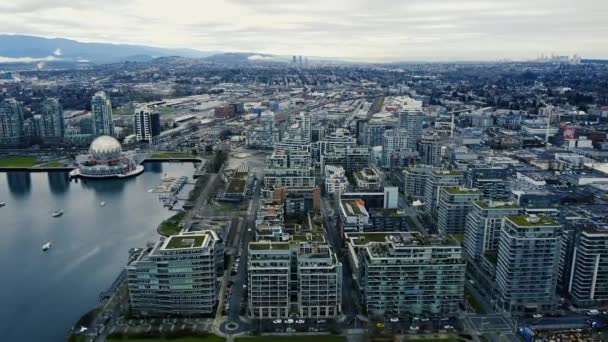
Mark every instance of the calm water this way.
pixel 43 294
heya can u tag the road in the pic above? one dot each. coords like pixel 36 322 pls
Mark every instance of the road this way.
pixel 239 294
pixel 350 300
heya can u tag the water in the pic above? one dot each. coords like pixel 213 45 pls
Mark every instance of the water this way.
pixel 42 294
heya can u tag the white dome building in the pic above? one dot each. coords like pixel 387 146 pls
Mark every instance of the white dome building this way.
pixel 105 148
pixel 106 160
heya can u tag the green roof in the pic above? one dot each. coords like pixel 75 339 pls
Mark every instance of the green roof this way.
pixel 185 241
pixel 522 220
pixel 456 190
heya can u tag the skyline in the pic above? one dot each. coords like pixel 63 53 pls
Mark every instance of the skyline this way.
pixel 358 30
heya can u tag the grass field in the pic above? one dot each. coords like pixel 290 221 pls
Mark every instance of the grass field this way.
pixel 471 299
pixel 54 163
pixel 172 155
pixel 318 338
pixel 171 225
pixel 18 162
pixel 210 338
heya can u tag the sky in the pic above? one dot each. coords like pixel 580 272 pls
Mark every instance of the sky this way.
pixel 360 30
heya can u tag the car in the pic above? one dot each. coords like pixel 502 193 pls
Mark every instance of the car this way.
pixel 445 319
pixel 322 321
pixel 425 319
pixel 416 318
pixel 394 319
pixel 248 229
pixel 277 321
pixel 300 321
pixel 537 315
pixel 289 321
pixel 448 327
pixel 593 312
pixel 380 325
pixel 244 286
pixel 414 328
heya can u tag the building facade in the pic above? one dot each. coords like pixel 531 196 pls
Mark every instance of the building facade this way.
pixel 454 205
pixel 52 128
pixel 176 276
pixel 401 274
pixel 588 283
pixel 11 123
pixel 527 264
pixel 101 107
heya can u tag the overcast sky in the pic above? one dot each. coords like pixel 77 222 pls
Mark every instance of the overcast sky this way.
pixel 372 30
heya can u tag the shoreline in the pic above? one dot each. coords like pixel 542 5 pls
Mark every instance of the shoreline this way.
pixel 70 168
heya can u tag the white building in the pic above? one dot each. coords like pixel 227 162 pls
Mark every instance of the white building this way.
pixel 335 179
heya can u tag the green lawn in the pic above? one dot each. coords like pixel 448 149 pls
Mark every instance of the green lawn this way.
pixel 171 226
pixel 210 338
pixel 18 162
pixel 173 155
pixel 54 163
pixel 318 338
pixel 468 296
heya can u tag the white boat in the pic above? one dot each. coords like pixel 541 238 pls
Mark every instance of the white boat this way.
pixel 57 213
pixel 46 246
pixel 102 204
pixel 2 204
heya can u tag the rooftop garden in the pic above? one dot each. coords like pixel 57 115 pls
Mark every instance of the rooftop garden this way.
pixel 496 205
pixel 185 241
pixel 532 221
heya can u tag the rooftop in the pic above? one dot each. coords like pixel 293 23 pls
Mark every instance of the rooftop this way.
pixel 260 246
pixel 447 173
pixel 186 241
pixel 496 205
pixel 457 190
pixel 532 221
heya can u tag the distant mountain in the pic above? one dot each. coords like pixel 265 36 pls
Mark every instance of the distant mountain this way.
pixel 32 49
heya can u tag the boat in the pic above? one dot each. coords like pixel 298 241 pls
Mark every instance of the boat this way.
pixel 57 213
pixel 46 246
pixel 102 204
pixel 2 204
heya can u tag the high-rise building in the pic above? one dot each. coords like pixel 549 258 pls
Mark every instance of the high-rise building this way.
pixel 319 281
pixel 52 127
pixel 146 124
pixel 454 205
pixel 393 142
pixel 269 272
pixel 410 122
pixel 482 229
pixel 429 148
pixel 177 275
pixel 493 181
pixel 437 181
pixel 102 114
pixel 414 180
pixel 588 283
pixel 280 272
pixel 11 123
pixel 400 274
pixel 527 264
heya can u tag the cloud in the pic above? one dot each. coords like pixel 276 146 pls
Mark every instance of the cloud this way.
pixel 375 30
pixel 28 59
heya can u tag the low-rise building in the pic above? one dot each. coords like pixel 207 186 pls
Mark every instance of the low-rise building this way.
pixel 353 215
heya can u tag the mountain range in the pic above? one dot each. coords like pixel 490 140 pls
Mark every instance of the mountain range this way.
pixel 19 49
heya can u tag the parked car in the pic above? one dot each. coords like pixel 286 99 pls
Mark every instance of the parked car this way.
pixel 277 321
pixel 289 321
pixel 394 319
pixel 300 321
pixel 537 315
